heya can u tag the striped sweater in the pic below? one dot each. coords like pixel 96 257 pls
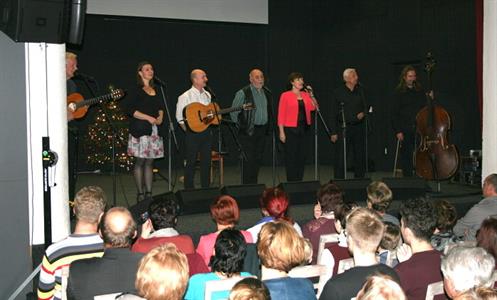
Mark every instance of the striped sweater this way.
pixel 60 255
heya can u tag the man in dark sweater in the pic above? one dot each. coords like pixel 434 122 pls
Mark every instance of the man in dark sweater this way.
pixel 418 221
pixel 364 232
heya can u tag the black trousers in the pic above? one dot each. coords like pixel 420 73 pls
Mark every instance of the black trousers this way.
pixel 296 148
pixel 253 146
pixel 198 143
pixel 406 153
pixel 356 144
pixel 72 157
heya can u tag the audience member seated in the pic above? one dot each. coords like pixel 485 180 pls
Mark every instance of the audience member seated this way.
pixel 387 251
pixel 89 206
pixel 225 212
pixel 364 232
pixel 280 249
pixel 487 237
pixel 333 253
pixel 164 261
pixel 465 268
pixel 481 293
pixel 274 206
pixel 379 199
pixel 419 262
pixel 160 228
pixel 468 225
pixel 116 270
pixel 446 219
pixel 381 287
pixel 329 196
pixel 250 289
pixel 227 262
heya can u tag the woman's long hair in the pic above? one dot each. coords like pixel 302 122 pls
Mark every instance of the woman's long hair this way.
pixel 402 86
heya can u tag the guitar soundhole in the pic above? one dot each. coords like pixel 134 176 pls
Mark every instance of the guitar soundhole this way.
pixel 72 106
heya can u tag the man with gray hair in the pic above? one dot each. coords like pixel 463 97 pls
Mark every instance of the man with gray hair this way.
pixel 466 267
pixel 349 109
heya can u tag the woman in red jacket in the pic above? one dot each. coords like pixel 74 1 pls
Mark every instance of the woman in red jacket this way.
pixel 294 120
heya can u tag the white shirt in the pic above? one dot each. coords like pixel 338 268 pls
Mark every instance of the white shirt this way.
pixel 190 96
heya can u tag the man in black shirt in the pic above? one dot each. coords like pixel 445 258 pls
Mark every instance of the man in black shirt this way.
pixel 72 126
pixel 408 101
pixel 349 103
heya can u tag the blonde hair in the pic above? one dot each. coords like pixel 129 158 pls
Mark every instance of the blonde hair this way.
pixel 379 196
pixel 365 228
pixel 71 55
pixel 250 289
pixel 162 274
pixel 381 287
pixel 89 204
pixel 280 247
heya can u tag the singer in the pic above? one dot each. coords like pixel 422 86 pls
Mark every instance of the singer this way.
pixel 349 102
pixel 294 120
pixel 146 112
pixel 196 142
pixel 253 124
pixel 409 100
pixel 72 125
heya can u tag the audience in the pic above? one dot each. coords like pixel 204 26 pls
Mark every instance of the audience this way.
pixel 446 219
pixel 227 262
pixel 381 287
pixel 364 232
pixel 465 268
pixel 280 249
pixel 481 293
pixel 379 199
pixel 164 261
pixel 468 225
pixel 225 212
pixel 329 196
pixel 250 289
pixel 487 237
pixel 419 262
pixel 387 251
pixel 84 242
pixel 116 270
pixel 274 206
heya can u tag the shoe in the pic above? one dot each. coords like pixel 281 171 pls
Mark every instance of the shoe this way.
pixel 139 197
pixel 148 195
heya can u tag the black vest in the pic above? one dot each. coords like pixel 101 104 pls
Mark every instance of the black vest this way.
pixel 246 118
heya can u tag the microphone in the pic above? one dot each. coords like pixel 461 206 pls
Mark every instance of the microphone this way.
pixel 208 88
pixel 266 89
pixel 308 88
pixel 159 81
pixel 84 76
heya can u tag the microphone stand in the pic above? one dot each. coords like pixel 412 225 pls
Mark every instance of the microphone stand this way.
pixel 171 134
pixel 273 128
pixel 239 147
pixel 219 134
pixel 344 133
pixel 318 112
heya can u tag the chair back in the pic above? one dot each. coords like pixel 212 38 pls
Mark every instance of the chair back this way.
pixel 64 276
pixel 323 240
pixel 311 271
pixel 214 286
pixel 345 264
pixel 433 289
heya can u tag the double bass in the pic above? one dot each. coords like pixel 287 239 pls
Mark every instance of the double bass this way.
pixel 435 158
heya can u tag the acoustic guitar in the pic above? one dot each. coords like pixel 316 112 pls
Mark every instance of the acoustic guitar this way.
pixel 79 106
pixel 199 116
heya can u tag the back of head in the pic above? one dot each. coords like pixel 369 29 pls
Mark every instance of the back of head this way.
pixel 379 196
pixel 381 287
pixel 420 217
pixel 249 289
pixel 89 204
pixel 487 236
pixel 467 267
pixel 225 211
pixel 391 237
pixel 365 228
pixel 480 293
pixel 446 215
pixel 491 182
pixel 118 228
pixel 163 262
pixel 275 202
pixel 342 211
pixel 329 196
pixel 163 213
pixel 280 247
pixel 229 252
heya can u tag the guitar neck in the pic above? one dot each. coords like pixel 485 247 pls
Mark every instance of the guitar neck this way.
pixel 228 110
pixel 93 100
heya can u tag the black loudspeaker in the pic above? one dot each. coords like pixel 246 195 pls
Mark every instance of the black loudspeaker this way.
pixel 196 201
pixel 354 189
pixel 139 211
pixel 247 195
pixel 407 188
pixel 35 20
pixel 301 192
pixel 77 21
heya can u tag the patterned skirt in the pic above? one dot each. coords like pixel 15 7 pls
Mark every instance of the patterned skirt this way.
pixel 146 146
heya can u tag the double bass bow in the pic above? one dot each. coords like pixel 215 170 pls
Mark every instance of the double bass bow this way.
pixel 435 158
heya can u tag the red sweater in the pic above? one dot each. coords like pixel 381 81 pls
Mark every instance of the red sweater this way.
pixel 288 109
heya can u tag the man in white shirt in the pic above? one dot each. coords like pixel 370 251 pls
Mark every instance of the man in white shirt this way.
pixel 196 142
